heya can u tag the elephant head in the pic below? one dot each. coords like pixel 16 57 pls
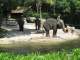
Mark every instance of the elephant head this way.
pixel 60 24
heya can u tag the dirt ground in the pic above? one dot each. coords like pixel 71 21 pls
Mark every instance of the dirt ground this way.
pixel 31 39
pixel 30 34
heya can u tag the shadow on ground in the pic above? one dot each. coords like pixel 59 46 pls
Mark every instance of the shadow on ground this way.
pixel 15 33
pixel 40 47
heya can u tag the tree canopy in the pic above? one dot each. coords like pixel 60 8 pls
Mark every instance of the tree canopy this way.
pixel 41 7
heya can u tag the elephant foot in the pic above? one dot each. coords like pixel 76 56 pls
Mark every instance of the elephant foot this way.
pixel 47 35
pixel 54 36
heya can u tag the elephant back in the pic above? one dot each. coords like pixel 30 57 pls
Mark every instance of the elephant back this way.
pixel 51 21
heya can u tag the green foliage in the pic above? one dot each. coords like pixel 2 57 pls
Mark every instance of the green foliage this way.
pixel 62 5
pixel 77 4
pixel 51 2
pixel 28 13
pixel 44 15
pixel 65 4
pixel 32 14
pixel 59 55
pixel 47 7
pixel 35 14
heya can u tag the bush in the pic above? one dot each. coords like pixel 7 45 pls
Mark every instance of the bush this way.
pixel 29 13
pixel 45 15
pixel 59 55
pixel 35 14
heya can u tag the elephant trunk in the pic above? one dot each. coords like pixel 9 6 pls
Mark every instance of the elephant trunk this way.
pixel 61 24
pixel 63 27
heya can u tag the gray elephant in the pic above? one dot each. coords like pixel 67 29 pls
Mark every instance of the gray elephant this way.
pixel 20 22
pixel 53 24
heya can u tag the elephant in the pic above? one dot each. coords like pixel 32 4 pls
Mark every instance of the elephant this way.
pixel 20 22
pixel 37 23
pixel 53 24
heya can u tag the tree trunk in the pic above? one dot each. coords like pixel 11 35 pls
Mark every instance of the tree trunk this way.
pixel 37 7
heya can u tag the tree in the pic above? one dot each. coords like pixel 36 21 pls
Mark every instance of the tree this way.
pixel 52 4
pixel 72 6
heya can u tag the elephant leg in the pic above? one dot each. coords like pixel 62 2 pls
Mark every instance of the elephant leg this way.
pixel 36 26
pixel 21 27
pixel 47 33
pixel 54 31
pixel 47 28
